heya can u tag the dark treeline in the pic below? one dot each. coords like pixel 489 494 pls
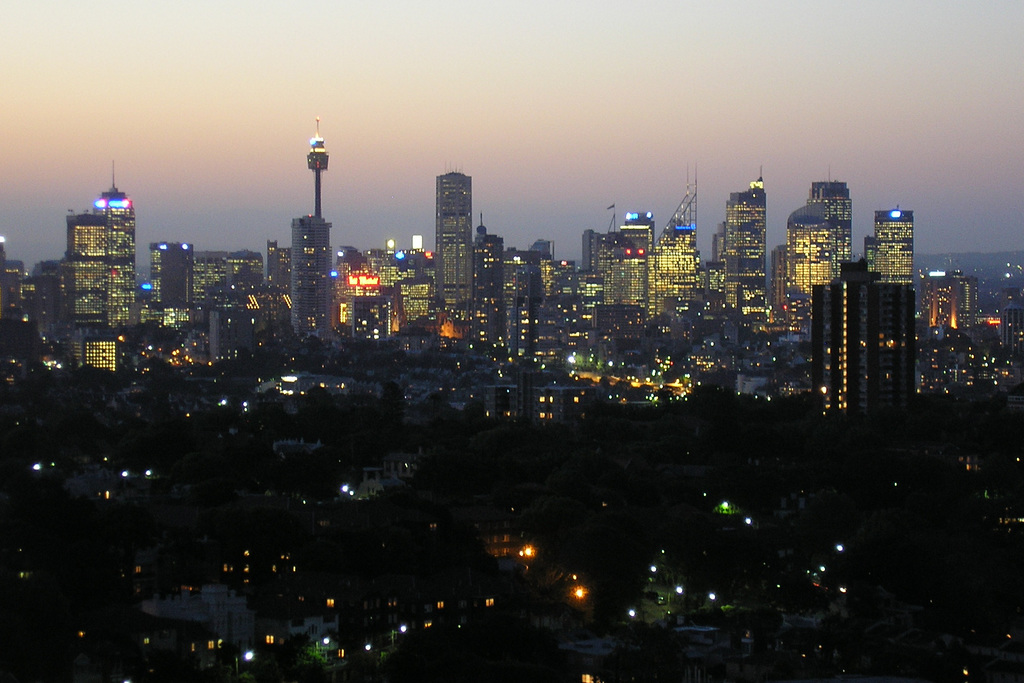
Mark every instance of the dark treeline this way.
pixel 744 498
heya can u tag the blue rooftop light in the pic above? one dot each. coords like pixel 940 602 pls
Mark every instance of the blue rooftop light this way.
pixel 146 286
pixel 334 273
pixel 399 255
pixel 895 213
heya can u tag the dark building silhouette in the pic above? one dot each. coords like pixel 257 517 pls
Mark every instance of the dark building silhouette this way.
pixel 170 272
pixel 863 340
pixel 488 285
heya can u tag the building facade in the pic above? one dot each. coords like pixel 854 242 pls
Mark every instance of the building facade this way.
pixel 745 236
pixel 863 341
pixel 488 283
pixel 890 251
pixel 453 252
pixel 99 264
pixel 833 197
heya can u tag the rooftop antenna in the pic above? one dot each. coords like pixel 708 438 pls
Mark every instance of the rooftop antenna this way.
pixel 113 177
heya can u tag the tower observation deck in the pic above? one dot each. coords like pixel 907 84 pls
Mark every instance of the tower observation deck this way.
pixel 317 161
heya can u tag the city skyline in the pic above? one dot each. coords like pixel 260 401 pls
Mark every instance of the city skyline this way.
pixel 911 105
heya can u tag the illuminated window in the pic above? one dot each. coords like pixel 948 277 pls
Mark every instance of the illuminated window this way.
pixel 269 639
pixel 489 602
pixel 330 602
pixel 210 645
pixel 440 604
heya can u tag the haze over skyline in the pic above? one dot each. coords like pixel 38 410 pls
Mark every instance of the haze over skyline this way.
pixel 556 110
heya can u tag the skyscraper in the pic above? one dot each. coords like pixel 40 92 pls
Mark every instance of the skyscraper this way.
pixel 488 288
pixel 170 271
pixel 745 253
pixel 810 257
pixel 622 262
pixel 890 252
pixel 99 268
pixel 311 255
pixel 834 197
pixel 675 269
pixel 863 341
pixel 454 242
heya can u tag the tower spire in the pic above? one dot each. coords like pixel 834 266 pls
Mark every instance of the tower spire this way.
pixel 317 161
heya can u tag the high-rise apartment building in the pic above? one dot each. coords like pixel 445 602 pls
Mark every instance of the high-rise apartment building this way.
pixel 834 198
pixel 863 341
pixel 890 251
pixel 453 253
pixel 311 256
pixel 488 327
pixel 99 264
pixel 745 253
pixel 170 272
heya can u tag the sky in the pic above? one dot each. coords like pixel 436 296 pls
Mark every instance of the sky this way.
pixel 557 109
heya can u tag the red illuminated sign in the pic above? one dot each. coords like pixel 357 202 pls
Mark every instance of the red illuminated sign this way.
pixel 363 280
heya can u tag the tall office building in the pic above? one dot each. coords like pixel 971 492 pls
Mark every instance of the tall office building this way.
pixel 745 253
pixel 863 341
pixel 453 251
pixel 210 279
pixel 279 267
pixel 810 258
pixel 777 299
pixel 890 251
pixel 950 300
pixel 119 212
pixel 170 272
pixel 311 255
pixel 622 263
pixel 834 198
pixel 99 264
pixel 591 244
pixel 10 280
pixel 488 285
pixel 676 281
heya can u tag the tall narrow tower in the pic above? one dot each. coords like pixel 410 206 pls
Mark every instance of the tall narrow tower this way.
pixel 745 252
pixel 454 242
pixel 311 256
pixel 317 160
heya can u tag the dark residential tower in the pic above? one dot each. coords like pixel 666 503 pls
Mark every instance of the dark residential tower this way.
pixel 863 339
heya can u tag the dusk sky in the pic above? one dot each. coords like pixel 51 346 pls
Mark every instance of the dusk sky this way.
pixel 556 109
